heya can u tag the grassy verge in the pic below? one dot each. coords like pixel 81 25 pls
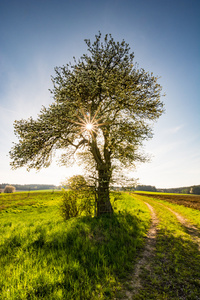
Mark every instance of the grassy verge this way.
pixel 193 215
pixel 175 269
pixel 43 257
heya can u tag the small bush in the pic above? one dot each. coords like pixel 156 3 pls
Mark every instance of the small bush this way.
pixel 69 206
pixel 77 182
pixel 9 189
pixel 77 203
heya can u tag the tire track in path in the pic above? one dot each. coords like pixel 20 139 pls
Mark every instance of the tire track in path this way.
pixel 190 228
pixel 135 284
pixel 148 252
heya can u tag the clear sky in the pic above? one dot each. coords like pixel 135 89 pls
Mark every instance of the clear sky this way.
pixel 36 36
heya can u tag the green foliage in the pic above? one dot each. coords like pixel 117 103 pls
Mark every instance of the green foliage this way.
pixel 105 88
pixel 148 188
pixel 76 203
pixel 76 182
pixel 80 200
pixel 195 190
pixel 70 207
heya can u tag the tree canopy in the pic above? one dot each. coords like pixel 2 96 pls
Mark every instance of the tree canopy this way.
pixel 103 110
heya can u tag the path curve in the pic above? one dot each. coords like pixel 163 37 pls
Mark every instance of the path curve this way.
pixel 190 228
pixel 150 246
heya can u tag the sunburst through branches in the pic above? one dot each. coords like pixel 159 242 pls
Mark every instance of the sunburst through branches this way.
pixel 89 124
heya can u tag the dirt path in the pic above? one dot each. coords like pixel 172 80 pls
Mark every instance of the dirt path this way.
pixel 145 260
pixel 190 229
pixel 135 284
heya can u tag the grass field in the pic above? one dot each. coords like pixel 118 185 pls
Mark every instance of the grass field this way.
pixel 44 257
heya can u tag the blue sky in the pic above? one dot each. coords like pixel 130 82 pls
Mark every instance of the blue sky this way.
pixel 36 36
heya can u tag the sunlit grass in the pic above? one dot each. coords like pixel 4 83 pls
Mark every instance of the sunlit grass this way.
pixel 44 257
pixel 193 215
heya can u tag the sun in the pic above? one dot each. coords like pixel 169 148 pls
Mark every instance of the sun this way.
pixel 89 126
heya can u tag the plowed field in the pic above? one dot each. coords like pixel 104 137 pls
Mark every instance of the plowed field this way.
pixel 192 201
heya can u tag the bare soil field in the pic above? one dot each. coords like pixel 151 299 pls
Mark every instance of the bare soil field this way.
pixel 192 201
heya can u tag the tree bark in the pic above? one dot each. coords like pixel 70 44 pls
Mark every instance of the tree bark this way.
pixel 103 202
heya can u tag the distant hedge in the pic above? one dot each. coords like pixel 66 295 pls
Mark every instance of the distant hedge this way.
pixel 30 187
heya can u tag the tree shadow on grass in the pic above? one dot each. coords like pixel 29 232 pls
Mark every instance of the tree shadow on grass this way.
pixel 175 272
pixel 86 260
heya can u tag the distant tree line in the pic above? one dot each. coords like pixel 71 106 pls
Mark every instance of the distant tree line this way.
pixel 29 187
pixel 181 190
pixel 146 188
pixel 195 189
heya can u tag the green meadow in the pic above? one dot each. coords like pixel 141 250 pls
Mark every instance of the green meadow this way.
pixel 44 257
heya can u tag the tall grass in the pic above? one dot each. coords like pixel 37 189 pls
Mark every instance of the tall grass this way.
pixel 44 257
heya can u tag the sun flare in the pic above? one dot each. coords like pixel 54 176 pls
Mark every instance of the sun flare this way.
pixel 89 126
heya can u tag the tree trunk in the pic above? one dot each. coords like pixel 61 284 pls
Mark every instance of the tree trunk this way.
pixel 103 202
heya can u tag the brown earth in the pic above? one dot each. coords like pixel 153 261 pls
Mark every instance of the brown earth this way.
pixel 192 201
